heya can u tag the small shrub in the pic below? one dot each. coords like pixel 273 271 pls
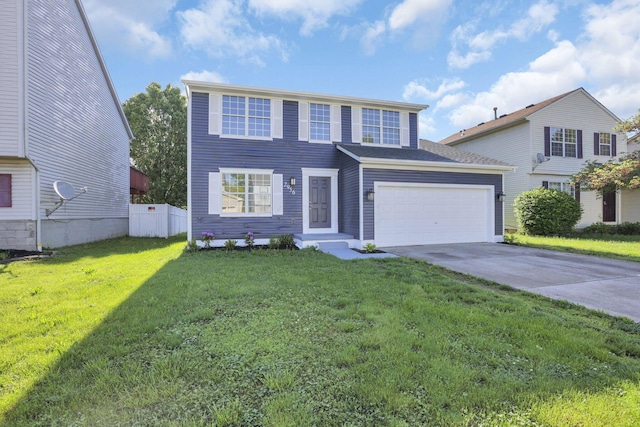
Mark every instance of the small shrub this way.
pixel 274 243
pixel 597 228
pixel 286 241
pixel 207 237
pixel 248 240
pixel 4 255
pixel 230 244
pixel 370 248
pixel 626 228
pixel 192 246
pixel 544 212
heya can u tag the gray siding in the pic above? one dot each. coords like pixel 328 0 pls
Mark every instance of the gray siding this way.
pixel 372 175
pixel 75 130
pixel 10 80
pixel 349 196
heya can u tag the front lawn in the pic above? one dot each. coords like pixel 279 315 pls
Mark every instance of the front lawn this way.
pixel 136 332
pixel 610 246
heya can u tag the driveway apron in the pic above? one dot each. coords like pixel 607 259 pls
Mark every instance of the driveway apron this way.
pixel 608 285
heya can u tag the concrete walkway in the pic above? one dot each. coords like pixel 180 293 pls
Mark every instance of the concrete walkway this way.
pixel 598 283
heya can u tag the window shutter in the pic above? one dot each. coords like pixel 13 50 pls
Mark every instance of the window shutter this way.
pixel 277 207
pixel 579 144
pixel 545 184
pixel 577 192
pixel 215 193
pixel 613 145
pixel 356 124
pixel 276 118
pixel 596 143
pixel 547 141
pixel 215 114
pixel 303 121
pixel 5 190
pixel 336 123
pixel 405 140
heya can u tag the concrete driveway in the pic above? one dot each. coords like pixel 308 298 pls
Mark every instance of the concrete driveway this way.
pixel 598 283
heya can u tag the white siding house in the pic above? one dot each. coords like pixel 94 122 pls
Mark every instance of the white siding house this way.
pixel 60 120
pixel 550 141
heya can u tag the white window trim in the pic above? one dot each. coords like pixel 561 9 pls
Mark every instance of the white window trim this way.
pixel 216 113
pixel 357 125
pixel 564 142
pixel 304 123
pixel 245 171
pixel 333 174
pixel 600 144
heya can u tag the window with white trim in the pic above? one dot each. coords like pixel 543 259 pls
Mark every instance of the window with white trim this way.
pixel 246 194
pixel 565 187
pixel 246 116
pixel 564 142
pixel 604 140
pixel 319 122
pixel 380 126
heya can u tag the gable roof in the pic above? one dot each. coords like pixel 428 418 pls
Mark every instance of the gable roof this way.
pixel 511 119
pixel 432 154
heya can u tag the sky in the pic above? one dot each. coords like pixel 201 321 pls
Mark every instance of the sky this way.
pixel 462 58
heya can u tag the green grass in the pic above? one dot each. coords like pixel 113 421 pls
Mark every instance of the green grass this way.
pixel 134 332
pixel 610 246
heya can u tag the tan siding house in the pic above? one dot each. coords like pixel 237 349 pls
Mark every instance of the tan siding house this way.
pixel 60 120
pixel 550 141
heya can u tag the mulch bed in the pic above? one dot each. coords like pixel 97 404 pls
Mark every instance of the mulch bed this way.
pixel 377 251
pixel 8 255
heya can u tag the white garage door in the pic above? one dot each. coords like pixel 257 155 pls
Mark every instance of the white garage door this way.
pixel 419 214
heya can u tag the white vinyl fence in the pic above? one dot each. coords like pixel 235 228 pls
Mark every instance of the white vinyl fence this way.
pixel 156 220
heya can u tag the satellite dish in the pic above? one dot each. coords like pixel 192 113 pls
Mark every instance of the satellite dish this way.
pixel 64 190
pixel 540 158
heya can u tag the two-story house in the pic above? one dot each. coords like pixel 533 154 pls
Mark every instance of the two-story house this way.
pixel 330 168
pixel 60 120
pixel 550 141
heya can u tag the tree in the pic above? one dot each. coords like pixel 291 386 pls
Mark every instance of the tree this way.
pixel 544 212
pixel 623 173
pixel 158 120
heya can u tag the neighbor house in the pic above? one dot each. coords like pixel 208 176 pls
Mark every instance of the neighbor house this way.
pixel 330 169
pixel 549 142
pixel 60 120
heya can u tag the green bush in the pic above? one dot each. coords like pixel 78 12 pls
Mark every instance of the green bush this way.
pixel 543 212
pixel 626 228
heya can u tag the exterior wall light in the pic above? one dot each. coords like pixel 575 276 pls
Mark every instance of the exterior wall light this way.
pixel 500 196
pixel 371 195
pixel 292 181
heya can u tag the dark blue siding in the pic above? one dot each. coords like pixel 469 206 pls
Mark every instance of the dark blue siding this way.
pixel 427 177
pixel 349 196
pixel 413 130
pixel 346 124
pixel 286 157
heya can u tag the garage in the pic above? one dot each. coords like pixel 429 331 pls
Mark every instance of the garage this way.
pixel 418 214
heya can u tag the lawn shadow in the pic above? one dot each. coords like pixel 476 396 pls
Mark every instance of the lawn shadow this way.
pixel 203 342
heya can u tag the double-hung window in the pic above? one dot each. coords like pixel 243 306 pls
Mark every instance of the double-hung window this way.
pixel 5 190
pixel 380 126
pixel 564 142
pixel 604 144
pixel 565 187
pixel 246 116
pixel 246 193
pixel 320 122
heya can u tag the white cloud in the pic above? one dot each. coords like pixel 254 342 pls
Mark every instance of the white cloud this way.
pixel 132 25
pixel 204 76
pixel 557 71
pixel 538 17
pixel 219 28
pixel 418 89
pixel 315 14
pixel 372 37
pixel 411 12
pixel 426 124
pixel 451 100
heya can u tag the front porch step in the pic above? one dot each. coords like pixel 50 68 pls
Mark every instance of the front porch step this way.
pixel 324 246
pixel 325 240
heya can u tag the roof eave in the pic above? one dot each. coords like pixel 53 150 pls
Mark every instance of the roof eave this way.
pixel 486 132
pixel 192 85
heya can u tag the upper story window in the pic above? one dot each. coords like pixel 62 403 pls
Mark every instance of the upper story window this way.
pixel 604 144
pixel 245 193
pixel 319 122
pixel 5 190
pixel 380 126
pixel 246 116
pixel 564 142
